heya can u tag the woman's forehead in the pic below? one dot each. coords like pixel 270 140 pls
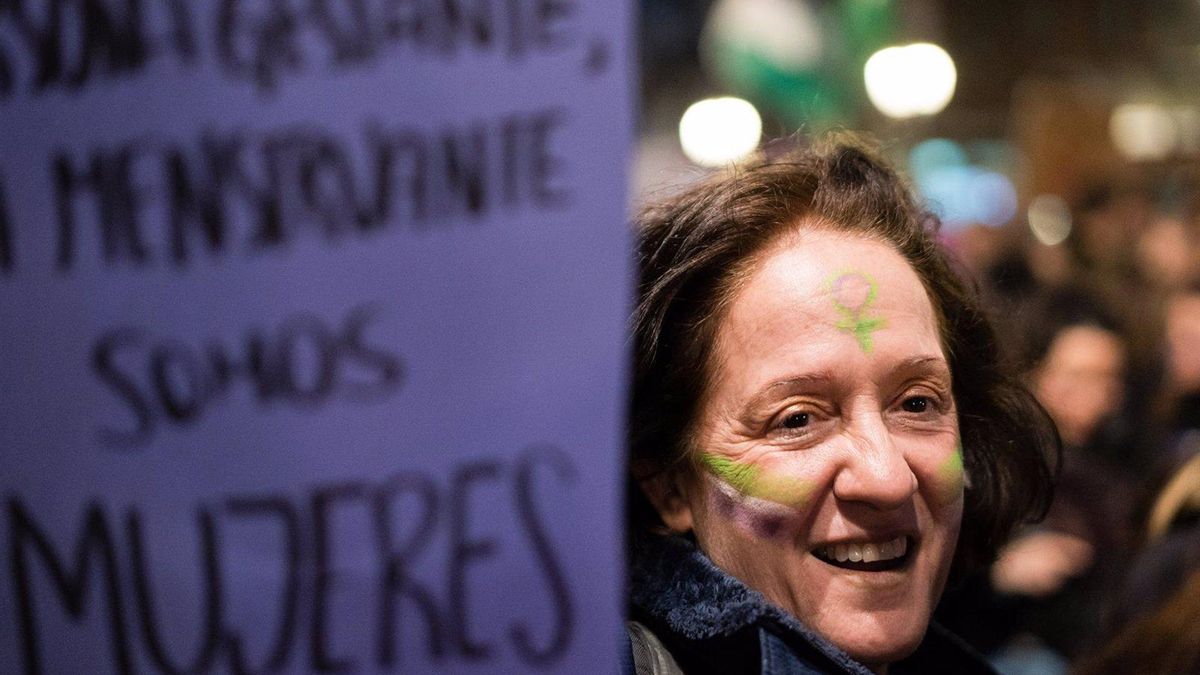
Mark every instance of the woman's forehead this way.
pixel 825 302
pixel 826 274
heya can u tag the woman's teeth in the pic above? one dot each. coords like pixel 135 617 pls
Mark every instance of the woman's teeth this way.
pixel 873 552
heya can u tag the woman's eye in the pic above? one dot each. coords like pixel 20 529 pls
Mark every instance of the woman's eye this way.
pixel 916 404
pixel 795 420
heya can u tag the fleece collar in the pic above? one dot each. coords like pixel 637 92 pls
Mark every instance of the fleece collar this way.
pixel 673 581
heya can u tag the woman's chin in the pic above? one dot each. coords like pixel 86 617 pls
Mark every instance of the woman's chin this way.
pixel 881 644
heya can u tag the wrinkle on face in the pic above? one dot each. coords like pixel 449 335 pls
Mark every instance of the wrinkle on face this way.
pixel 764 496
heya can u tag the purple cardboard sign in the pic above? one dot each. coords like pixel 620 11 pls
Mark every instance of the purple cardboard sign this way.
pixel 313 332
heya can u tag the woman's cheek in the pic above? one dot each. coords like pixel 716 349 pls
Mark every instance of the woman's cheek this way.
pixel 948 476
pixel 764 503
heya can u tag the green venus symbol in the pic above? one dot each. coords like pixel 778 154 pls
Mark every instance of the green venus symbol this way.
pixel 853 292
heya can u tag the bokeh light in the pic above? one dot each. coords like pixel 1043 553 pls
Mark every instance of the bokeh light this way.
pixel 995 198
pixel 1143 131
pixel 912 80
pixel 960 192
pixel 786 32
pixel 968 195
pixel 1049 219
pixel 716 131
pixel 935 153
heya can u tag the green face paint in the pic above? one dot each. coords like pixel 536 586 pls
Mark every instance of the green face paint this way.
pixel 743 477
pixel 853 293
pixel 752 482
pixel 950 474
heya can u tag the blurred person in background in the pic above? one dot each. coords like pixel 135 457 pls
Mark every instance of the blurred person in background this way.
pixel 1166 255
pixel 1078 353
pixel 1165 641
pixel 1179 407
pixel 1155 625
pixel 1107 224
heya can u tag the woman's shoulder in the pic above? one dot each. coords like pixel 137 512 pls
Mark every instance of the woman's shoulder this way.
pixel 656 649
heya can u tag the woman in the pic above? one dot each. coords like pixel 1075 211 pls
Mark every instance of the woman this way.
pixel 820 431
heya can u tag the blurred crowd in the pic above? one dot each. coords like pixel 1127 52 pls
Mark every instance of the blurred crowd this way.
pixel 1105 326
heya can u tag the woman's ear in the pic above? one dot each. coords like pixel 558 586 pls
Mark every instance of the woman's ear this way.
pixel 668 494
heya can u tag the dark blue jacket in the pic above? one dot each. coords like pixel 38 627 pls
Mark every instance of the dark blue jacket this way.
pixel 712 623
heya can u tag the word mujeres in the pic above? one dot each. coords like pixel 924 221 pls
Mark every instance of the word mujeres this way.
pixel 46 44
pixel 144 201
pixel 106 581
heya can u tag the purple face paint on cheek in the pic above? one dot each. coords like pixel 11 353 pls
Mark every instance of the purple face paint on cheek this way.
pixel 723 505
pixel 769 527
pixel 758 517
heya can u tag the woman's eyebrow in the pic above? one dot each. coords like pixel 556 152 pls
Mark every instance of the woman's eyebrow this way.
pixel 789 384
pixel 937 364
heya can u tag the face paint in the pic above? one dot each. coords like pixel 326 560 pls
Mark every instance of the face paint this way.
pixel 950 475
pixel 759 503
pixel 753 482
pixel 852 293
pixel 764 519
pixel 743 477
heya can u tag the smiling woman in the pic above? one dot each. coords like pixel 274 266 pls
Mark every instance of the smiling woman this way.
pixel 813 387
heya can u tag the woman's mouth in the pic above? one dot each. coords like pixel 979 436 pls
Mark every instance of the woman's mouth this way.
pixel 866 556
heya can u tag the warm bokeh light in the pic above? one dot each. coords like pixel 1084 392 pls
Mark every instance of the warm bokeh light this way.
pixel 785 32
pixel 1143 131
pixel 912 80
pixel 717 131
pixel 1049 219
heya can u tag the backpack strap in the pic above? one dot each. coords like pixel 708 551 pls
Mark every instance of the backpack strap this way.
pixel 646 653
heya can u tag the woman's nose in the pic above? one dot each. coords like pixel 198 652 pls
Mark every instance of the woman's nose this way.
pixel 874 471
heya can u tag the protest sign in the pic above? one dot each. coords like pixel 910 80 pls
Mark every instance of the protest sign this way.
pixel 313 319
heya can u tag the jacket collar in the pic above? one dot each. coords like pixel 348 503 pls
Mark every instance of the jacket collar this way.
pixel 673 581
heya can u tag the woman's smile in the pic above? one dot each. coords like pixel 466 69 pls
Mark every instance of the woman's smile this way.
pixel 866 556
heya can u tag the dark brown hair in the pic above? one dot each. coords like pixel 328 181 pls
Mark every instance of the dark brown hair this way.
pixel 693 247
pixel 1164 641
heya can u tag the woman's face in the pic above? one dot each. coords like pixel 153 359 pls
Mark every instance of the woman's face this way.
pixel 1081 380
pixel 829 474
